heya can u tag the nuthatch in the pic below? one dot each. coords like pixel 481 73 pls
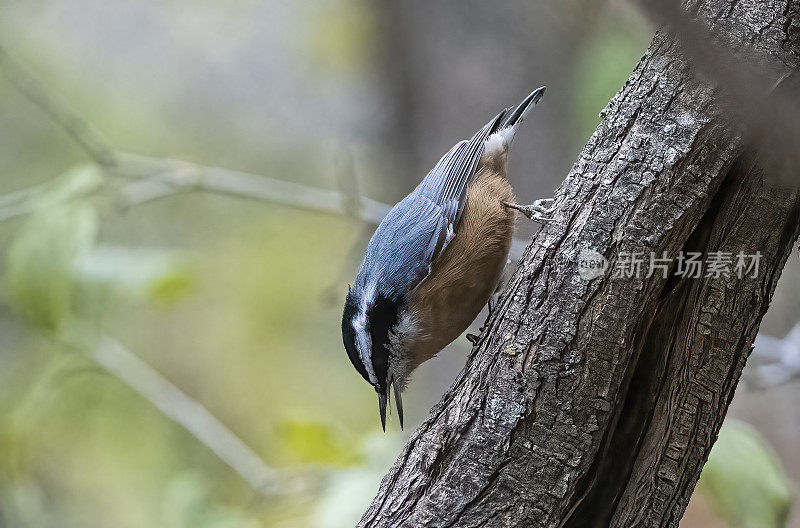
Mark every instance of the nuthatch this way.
pixel 435 259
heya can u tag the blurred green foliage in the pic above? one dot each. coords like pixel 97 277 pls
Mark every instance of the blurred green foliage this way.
pixel 744 480
pixel 188 503
pixel 55 269
pixel 42 256
pixel 604 63
pixel 41 261
pixel 100 446
pixel 315 442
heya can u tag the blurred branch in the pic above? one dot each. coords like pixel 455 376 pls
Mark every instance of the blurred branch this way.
pixel 23 195
pixel 193 416
pixel 775 361
pixel 19 203
pixel 152 179
pixel 167 177
pixel 78 129
pixel 170 177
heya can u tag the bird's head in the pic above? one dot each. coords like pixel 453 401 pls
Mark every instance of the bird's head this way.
pixel 368 322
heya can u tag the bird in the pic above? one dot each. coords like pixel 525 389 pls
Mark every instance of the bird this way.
pixel 435 259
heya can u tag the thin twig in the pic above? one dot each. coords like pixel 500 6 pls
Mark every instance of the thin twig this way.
pixel 173 176
pixel 193 416
pixel 78 129
pixel 16 210
pixel 23 195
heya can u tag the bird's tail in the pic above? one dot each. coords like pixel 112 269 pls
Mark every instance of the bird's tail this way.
pixel 509 126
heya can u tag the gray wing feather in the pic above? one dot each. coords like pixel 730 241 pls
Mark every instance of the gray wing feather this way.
pixel 446 185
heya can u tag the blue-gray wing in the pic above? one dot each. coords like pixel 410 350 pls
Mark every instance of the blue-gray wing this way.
pixel 445 187
pixel 416 231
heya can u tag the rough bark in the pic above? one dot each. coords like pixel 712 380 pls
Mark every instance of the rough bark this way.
pixel 596 402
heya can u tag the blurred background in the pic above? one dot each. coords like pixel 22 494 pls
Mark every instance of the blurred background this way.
pixel 170 350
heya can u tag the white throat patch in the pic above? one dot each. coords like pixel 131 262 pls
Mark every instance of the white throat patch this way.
pixel 363 339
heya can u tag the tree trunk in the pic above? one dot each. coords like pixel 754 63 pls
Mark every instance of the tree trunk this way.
pixel 595 402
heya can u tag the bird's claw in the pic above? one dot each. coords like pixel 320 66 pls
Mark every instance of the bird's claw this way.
pixel 472 338
pixel 539 211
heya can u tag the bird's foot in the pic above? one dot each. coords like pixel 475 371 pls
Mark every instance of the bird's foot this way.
pixel 494 299
pixel 539 211
pixel 491 304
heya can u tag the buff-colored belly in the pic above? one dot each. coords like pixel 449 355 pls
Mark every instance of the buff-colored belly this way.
pixel 466 274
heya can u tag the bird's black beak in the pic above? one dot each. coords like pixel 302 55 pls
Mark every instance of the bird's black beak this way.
pixel 382 408
pixel 383 400
pixel 399 402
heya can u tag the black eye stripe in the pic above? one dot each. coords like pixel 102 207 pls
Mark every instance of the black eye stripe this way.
pixel 382 316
